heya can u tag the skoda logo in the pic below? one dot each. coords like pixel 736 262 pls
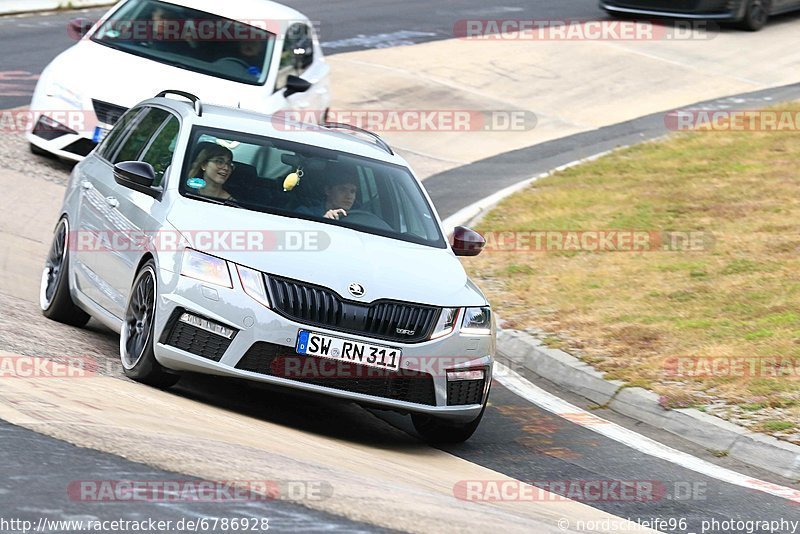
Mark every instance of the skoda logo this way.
pixel 357 290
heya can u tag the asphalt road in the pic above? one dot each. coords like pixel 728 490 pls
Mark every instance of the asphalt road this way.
pixel 516 438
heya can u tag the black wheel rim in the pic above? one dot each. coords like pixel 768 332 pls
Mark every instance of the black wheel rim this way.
pixel 54 266
pixel 138 319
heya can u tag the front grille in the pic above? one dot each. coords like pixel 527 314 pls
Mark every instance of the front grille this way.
pixel 108 113
pixel 280 361
pixel 81 147
pixel 320 306
pixel 460 392
pixel 198 341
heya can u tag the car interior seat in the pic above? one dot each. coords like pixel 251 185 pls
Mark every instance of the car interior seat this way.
pixel 244 184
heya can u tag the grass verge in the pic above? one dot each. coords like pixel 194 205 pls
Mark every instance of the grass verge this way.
pixel 713 325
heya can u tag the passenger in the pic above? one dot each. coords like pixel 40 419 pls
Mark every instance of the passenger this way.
pixel 210 170
pixel 340 195
pixel 168 34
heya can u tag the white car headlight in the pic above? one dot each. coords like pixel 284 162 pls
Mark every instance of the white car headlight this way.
pixel 477 320
pixel 446 323
pixel 253 284
pixel 57 90
pixel 205 268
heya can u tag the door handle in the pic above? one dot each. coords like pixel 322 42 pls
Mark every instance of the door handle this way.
pixel 113 202
pixel 86 184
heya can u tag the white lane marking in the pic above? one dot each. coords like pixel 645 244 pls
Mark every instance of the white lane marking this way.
pixel 536 395
pixel 381 40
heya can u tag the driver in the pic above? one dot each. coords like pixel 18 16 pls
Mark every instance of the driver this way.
pixel 340 195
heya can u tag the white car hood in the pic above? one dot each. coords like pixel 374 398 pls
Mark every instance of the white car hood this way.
pixel 95 71
pixel 386 268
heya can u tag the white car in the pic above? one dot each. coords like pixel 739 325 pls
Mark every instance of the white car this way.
pixel 222 241
pixel 252 54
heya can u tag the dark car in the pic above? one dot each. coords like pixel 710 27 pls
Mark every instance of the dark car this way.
pixel 749 14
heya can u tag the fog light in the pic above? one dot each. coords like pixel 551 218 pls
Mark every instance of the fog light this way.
pixel 474 374
pixel 208 326
pixel 50 129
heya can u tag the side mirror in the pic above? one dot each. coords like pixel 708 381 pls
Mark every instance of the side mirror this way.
pixel 78 28
pixel 467 242
pixel 137 175
pixel 296 84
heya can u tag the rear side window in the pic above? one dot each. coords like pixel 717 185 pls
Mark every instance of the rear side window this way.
pixel 140 135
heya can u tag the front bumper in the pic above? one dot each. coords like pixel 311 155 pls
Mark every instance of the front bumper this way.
pixel 77 123
pixel 72 147
pixel 729 11
pixel 264 340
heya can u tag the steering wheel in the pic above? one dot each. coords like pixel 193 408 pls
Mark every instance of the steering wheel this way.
pixel 366 218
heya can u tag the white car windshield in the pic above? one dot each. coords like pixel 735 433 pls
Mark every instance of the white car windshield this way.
pixel 190 39
pixel 302 181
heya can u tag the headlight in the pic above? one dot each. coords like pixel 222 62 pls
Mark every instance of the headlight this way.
pixel 477 320
pixel 253 284
pixel 57 90
pixel 205 268
pixel 446 323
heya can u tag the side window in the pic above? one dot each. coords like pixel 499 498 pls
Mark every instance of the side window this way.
pixel 159 153
pixel 140 135
pixel 110 143
pixel 297 54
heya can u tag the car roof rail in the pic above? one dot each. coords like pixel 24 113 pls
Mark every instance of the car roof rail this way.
pixel 349 127
pixel 198 106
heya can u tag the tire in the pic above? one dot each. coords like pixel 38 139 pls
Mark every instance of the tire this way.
pixel 55 300
pixel 438 431
pixel 136 338
pixel 756 15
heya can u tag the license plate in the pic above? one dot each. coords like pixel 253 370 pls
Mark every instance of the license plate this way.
pixel 99 134
pixel 347 350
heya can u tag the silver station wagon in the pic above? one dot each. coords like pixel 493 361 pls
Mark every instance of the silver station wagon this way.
pixel 227 242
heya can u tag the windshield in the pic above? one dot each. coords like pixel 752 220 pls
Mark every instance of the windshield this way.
pixel 190 39
pixel 296 180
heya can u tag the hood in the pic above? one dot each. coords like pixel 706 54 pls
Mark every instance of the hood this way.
pixel 78 69
pixel 386 268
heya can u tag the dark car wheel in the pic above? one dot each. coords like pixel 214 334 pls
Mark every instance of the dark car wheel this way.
pixel 756 15
pixel 54 291
pixel 435 430
pixel 136 339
